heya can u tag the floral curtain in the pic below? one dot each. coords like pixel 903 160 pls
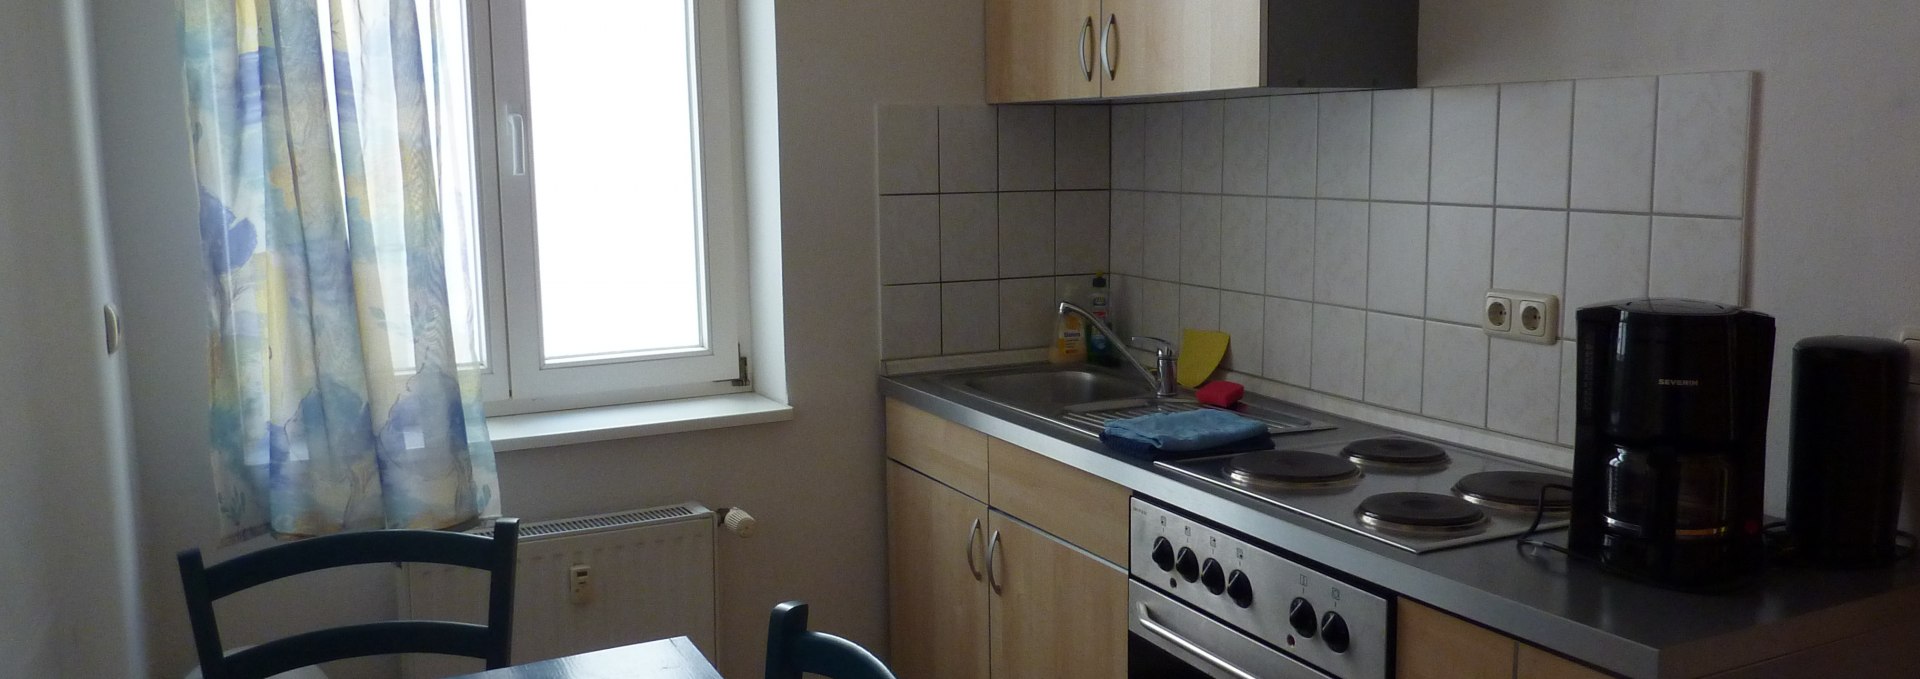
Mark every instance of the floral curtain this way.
pixel 338 400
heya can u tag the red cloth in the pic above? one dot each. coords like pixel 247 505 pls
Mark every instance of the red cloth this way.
pixel 1220 393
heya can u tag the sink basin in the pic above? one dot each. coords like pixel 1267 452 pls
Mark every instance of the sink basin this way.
pixel 1048 392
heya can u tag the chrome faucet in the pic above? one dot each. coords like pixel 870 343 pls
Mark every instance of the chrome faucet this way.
pixel 1165 385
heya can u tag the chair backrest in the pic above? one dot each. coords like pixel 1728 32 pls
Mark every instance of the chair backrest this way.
pixel 792 650
pixel 491 642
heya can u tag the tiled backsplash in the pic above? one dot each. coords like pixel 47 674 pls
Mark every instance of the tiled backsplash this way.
pixel 986 216
pixel 1346 241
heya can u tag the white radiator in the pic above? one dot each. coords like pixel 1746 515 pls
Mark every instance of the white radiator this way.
pixel 639 575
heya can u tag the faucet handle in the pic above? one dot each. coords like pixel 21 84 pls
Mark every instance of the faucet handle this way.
pixel 1161 348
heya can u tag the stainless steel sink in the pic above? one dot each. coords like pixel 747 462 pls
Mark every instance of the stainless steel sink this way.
pixel 1049 390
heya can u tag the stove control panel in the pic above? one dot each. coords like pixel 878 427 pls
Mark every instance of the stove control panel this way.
pixel 1335 626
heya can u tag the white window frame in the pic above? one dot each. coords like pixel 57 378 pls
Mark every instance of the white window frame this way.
pixel 515 379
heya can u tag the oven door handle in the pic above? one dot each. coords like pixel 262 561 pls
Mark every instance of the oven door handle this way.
pixel 1147 622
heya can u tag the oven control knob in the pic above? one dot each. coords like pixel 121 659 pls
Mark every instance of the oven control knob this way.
pixel 1213 576
pixel 1333 630
pixel 1300 616
pixel 1240 589
pixel 1163 554
pixel 1187 564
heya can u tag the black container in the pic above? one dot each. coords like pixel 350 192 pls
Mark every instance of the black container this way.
pixel 1670 440
pixel 1849 401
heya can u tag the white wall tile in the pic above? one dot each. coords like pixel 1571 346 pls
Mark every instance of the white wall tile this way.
pixel 1523 389
pixel 1697 258
pixel 1465 120
pixel 1340 253
pixel 1129 312
pixel 908 148
pixel 1606 260
pixel 1162 156
pixel 909 239
pixel 1244 159
pixel 1243 318
pixel 1075 289
pixel 1199 310
pixel 1290 252
pixel 1700 161
pixel 1161 315
pixel 1339 350
pixel 1243 243
pixel 1026 234
pixel 1161 249
pixel 1402 123
pixel 1026 312
pixel 1397 258
pixel 1289 341
pixel 1127 232
pixel 1613 144
pixel 1081 147
pixel 969 317
pixel 1026 148
pixel 1200 240
pixel 1459 262
pixel 1129 146
pixel 909 321
pixel 1455 376
pixel 1201 135
pixel 1079 232
pixel 969 144
pixel 1536 121
pixel 1393 358
pixel 1346 123
pixel 1569 378
pixel 1293 137
pixel 969 236
pixel 1530 250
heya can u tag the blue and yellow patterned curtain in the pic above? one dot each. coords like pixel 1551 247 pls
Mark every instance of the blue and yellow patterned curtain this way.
pixel 338 401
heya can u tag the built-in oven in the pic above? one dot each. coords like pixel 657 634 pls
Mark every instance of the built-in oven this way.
pixel 1205 602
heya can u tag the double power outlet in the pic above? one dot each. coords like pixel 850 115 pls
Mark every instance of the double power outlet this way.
pixel 1524 316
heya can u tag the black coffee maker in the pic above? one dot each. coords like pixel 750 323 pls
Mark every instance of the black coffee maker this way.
pixel 1670 440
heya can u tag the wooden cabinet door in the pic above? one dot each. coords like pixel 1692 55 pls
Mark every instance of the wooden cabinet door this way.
pixel 1085 510
pixel 936 578
pixel 1159 47
pixel 1434 645
pixel 1041 50
pixel 950 453
pixel 1537 663
pixel 1058 613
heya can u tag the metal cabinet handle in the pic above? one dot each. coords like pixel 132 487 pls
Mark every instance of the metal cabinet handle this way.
pixel 1086 62
pixel 1146 621
pixel 1106 44
pixel 993 546
pixel 973 534
pixel 517 143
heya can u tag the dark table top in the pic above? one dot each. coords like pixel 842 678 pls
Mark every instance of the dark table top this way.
pixel 675 658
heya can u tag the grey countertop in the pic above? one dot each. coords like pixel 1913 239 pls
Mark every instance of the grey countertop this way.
pixel 1567 606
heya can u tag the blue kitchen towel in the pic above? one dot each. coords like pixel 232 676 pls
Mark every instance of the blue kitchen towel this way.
pixel 1192 430
pixel 1139 449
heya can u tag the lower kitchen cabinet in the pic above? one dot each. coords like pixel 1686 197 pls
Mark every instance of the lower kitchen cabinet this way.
pixel 1435 645
pixel 1056 611
pixel 936 578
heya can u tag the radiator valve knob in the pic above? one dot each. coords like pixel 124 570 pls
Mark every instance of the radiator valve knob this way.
pixel 738 521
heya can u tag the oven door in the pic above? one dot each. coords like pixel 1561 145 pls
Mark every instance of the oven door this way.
pixel 1168 639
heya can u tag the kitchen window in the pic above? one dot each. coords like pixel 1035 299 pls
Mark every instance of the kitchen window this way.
pixel 593 193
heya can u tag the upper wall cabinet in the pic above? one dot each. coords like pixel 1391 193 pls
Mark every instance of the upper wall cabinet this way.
pixel 1048 50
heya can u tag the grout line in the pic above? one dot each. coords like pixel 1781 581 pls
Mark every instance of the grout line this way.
pixel 1653 182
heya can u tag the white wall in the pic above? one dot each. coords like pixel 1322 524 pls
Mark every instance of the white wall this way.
pixel 66 581
pixel 814 482
pixel 1835 248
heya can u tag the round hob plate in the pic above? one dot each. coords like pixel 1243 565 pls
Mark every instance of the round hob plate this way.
pixel 1421 513
pixel 1291 469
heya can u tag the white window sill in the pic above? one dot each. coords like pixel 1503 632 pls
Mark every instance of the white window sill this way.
pixel 606 423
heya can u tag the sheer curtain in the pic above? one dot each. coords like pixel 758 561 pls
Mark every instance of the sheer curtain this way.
pixel 340 401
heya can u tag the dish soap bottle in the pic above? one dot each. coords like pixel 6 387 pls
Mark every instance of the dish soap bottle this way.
pixel 1069 340
pixel 1099 346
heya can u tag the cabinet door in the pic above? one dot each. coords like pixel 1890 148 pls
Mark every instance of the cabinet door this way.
pixel 1040 50
pixel 1434 645
pixel 1536 663
pixel 1085 510
pixel 1159 47
pixel 936 578
pixel 1058 613
pixel 950 453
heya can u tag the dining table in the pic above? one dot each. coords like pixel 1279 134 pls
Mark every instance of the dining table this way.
pixel 675 658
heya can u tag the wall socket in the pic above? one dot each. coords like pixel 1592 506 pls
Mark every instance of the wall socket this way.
pixel 1524 316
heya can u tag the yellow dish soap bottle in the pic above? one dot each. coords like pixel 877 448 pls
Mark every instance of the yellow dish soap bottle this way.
pixel 1069 340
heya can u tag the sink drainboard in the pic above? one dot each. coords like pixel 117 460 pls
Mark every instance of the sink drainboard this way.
pixel 1095 420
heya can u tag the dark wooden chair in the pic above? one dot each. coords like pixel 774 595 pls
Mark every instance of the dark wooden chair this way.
pixel 792 650
pixel 491 642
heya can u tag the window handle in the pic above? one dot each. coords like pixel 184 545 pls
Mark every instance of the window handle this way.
pixel 516 143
